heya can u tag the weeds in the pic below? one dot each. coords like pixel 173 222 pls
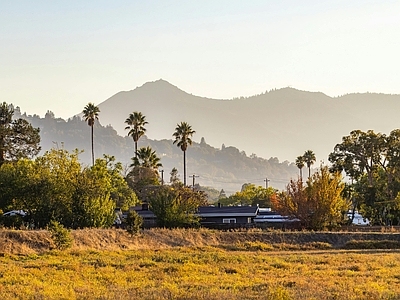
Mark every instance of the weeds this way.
pixel 60 235
pixel 201 273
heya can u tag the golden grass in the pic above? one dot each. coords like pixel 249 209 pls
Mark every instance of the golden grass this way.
pixel 201 273
pixel 198 264
pixel 39 241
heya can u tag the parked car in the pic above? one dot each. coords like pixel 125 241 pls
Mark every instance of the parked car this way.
pixel 358 218
pixel 12 213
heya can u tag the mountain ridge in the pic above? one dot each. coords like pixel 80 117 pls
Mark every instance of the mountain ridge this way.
pixel 279 123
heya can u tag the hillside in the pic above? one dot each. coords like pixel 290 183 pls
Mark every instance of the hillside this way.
pixel 225 168
pixel 39 241
pixel 279 123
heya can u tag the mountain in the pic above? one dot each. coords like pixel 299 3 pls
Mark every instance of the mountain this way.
pixel 281 123
pixel 249 140
pixel 225 168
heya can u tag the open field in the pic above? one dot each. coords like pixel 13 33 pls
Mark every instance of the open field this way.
pixel 201 273
pixel 177 264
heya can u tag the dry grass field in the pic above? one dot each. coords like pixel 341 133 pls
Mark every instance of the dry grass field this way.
pixel 198 264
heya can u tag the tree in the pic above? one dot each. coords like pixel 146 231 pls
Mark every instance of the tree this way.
pixel 250 195
pixel 144 170
pixel 222 195
pixel 91 114
pixel 122 195
pixel 183 133
pixel 18 139
pixel 300 164
pixel 176 207
pixel 174 177
pixel 54 187
pixel 359 152
pixel 136 122
pixel 309 159
pixel 147 158
pixel 319 204
pixel 133 222
pixel 92 205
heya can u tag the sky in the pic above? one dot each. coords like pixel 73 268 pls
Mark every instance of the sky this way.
pixel 60 55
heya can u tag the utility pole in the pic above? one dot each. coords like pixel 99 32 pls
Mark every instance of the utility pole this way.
pixel 266 182
pixel 193 177
pixel 162 177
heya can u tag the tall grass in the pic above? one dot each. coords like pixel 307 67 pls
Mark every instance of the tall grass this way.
pixel 201 273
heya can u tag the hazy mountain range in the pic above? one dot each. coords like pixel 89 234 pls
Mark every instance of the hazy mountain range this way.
pixel 279 123
pixel 243 140
pixel 225 168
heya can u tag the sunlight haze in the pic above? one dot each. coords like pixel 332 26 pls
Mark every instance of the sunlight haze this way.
pixel 60 55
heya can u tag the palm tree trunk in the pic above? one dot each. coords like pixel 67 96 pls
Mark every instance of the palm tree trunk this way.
pixel 92 147
pixel 1 151
pixel 184 168
pixel 135 148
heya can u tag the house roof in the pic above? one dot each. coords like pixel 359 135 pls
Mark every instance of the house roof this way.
pixel 227 211
pixel 143 212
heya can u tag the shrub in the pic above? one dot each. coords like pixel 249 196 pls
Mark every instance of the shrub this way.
pixel 318 246
pixel 133 222
pixel 371 244
pixel 61 236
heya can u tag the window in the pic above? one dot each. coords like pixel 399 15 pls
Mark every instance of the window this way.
pixel 230 221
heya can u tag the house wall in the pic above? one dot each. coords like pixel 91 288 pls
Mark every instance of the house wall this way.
pixel 219 220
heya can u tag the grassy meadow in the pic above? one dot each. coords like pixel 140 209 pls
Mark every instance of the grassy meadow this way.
pixel 154 269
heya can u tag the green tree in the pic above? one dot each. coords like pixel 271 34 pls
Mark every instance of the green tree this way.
pixel 176 207
pixel 18 139
pixel 300 164
pixel 92 205
pixel 91 114
pixel 60 174
pixel 136 122
pixel 146 157
pixel 174 177
pixel 318 205
pixel 144 172
pixel 55 187
pixel 358 153
pixel 133 222
pixel 61 236
pixel 183 134
pixel 369 159
pixel 250 195
pixel 309 159
pixel 123 196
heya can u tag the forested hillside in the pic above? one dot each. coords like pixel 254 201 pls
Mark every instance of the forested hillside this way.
pixel 225 168
pixel 280 123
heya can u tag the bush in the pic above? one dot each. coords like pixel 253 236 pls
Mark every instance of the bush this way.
pixel 133 222
pixel 371 244
pixel 61 236
pixel 12 221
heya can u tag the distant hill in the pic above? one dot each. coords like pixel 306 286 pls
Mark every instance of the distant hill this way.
pixel 279 123
pixel 225 168
pixel 241 133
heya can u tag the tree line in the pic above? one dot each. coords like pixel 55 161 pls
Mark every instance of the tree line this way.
pixel 363 175
pixel 56 187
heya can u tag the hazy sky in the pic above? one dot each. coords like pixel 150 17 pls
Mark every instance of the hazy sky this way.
pixel 60 55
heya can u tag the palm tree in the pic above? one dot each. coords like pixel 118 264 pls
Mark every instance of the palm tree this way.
pixel 183 133
pixel 91 114
pixel 300 164
pixel 146 157
pixel 145 168
pixel 309 159
pixel 136 122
